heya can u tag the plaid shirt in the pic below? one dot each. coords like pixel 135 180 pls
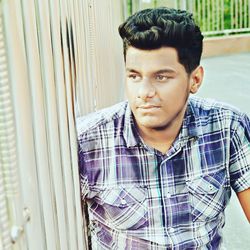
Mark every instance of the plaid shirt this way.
pixel 139 198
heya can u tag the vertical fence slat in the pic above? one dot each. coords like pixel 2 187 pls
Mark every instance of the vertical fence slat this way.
pixel 241 14
pixel 222 14
pixel 8 186
pixel 232 14
pixel 236 15
pixel 213 14
pixel 245 14
pixel 203 14
pixel 35 70
pixel 248 13
pixel 217 15
pixel 194 9
pixel 208 15
pixel 85 103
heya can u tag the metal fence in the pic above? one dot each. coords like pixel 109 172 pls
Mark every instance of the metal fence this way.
pixel 215 17
pixel 59 59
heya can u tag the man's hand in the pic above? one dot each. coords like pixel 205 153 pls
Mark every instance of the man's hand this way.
pixel 244 198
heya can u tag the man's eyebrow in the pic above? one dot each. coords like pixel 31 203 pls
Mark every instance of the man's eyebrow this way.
pixel 131 70
pixel 161 71
pixel 165 71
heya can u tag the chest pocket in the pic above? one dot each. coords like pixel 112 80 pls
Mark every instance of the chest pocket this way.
pixel 208 196
pixel 124 207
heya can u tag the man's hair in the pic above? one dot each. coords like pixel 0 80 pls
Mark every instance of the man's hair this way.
pixel 164 27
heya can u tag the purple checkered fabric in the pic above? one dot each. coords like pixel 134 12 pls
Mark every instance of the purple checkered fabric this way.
pixel 139 198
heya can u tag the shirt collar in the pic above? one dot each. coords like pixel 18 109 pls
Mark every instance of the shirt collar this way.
pixel 190 126
pixel 131 135
pixel 191 123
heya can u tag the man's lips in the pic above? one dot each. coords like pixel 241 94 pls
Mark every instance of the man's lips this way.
pixel 148 106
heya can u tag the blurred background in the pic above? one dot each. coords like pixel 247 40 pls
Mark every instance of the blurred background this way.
pixel 60 59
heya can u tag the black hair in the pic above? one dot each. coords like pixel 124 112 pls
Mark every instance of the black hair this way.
pixel 164 27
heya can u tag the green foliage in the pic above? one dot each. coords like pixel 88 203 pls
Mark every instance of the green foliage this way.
pixel 213 15
pixel 130 6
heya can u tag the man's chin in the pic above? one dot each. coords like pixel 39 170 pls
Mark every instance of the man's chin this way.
pixel 153 124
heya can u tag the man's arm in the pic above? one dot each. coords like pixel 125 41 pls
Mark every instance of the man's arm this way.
pixel 244 198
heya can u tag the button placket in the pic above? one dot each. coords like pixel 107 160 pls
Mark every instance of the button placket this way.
pixel 171 245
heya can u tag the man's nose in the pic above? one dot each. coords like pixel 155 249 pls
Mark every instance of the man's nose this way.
pixel 146 90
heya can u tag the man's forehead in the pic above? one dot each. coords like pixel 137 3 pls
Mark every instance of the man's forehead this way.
pixel 163 59
pixel 132 49
pixel 164 54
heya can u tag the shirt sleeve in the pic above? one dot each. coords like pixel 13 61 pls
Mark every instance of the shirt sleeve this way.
pixel 239 165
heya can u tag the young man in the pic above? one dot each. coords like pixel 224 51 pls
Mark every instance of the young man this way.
pixel 157 171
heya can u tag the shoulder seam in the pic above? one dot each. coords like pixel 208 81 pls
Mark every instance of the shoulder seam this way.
pixel 103 119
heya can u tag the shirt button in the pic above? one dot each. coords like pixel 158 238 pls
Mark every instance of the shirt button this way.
pixel 168 195
pixel 211 187
pixel 171 230
pixel 123 202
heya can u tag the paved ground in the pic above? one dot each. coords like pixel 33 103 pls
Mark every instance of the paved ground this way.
pixel 228 79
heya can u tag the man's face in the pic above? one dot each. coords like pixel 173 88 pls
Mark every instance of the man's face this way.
pixel 157 86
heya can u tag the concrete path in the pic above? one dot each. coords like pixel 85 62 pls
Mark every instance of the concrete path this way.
pixel 227 79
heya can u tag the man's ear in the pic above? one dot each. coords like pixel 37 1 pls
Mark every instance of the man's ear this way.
pixel 196 78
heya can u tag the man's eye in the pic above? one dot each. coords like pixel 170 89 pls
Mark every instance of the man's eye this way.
pixel 134 77
pixel 161 77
